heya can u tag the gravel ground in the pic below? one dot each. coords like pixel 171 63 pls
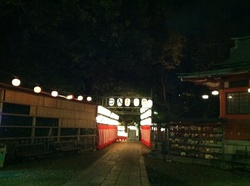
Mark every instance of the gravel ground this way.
pixel 57 170
pixel 177 174
pixel 47 171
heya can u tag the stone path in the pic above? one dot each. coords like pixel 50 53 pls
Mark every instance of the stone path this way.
pixel 122 165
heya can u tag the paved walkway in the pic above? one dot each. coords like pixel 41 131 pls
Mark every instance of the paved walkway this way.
pixel 122 165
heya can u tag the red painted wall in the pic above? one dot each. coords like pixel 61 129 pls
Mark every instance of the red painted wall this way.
pixel 145 135
pixel 238 125
pixel 107 134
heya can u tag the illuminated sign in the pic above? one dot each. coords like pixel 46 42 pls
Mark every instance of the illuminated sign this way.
pixel 129 102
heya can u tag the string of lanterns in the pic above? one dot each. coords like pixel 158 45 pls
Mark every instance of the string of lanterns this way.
pixel 214 93
pixel 37 89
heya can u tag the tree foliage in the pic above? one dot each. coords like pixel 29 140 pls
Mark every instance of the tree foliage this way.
pixel 110 46
pixel 100 44
pixel 173 49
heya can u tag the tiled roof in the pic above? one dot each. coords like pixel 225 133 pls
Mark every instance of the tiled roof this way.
pixel 237 63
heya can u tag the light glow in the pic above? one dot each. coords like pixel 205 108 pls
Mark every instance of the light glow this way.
pixel 205 96
pixel 146 114
pixel 114 116
pixel 136 102
pixel 105 120
pixel 143 109
pixel 16 82
pixel 54 93
pixel 103 111
pixel 119 102
pixel 70 96
pixel 143 102
pixel 248 90
pixel 89 98
pixel 147 121
pixel 105 116
pixel 111 102
pixel 215 92
pixel 80 98
pixel 37 89
pixel 149 103
pixel 127 102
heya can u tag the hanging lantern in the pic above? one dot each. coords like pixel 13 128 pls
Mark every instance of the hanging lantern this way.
pixel 16 82
pixel 143 102
pixel 54 93
pixel 80 98
pixel 136 102
pixel 248 90
pixel 37 89
pixel 119 102
pixel 205 96
pixel 89 98
pixel 215 92
pixel 149 103
pixel 127 102
pixel 70 96
pixel 111 102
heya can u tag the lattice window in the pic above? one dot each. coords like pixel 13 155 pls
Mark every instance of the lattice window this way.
pixel 238 103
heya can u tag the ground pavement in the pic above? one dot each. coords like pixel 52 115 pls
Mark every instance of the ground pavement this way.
pixel 122 165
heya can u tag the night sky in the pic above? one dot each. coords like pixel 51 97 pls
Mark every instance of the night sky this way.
pixel 115 47
pixel 193 17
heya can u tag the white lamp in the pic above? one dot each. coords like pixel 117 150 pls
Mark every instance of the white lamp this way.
pixel 215 92
pixel 205 96
pixel 16 82
pixel 54 93
pixel 70 96
pixel 89 98
pixel 80 98
pixel 37 89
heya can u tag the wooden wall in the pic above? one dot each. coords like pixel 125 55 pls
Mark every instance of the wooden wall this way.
pixel 71 113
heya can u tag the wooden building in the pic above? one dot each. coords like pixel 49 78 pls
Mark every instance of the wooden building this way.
pixel 232 79
pixel 30 118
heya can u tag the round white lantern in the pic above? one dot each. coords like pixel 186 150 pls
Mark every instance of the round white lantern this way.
pixel 215 92
pixel 37 89
pixel 70 96
pixel 205 96
pixel 149 103
pixel 136 102
pixel 89 98
pixel 80 98
pixel 16 82
pixel 54 93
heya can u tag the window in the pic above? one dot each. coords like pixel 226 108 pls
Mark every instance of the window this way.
pixel 16 109
pixel 238 103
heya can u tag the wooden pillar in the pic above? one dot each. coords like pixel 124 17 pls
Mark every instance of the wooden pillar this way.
pixel 1 104
pixel 78 135
pixel 222 103
pixel 59 130
pixel 33 130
